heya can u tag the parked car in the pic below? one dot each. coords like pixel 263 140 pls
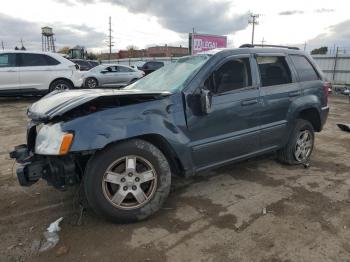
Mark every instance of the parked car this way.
pixel 198 113
pixel 85 65
pixel 111 76
pixel 150 66
pixel 23 72
pixel 346 91
pixel 138 64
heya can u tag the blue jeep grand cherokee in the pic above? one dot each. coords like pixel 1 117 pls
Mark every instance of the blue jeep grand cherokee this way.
pixel 199 113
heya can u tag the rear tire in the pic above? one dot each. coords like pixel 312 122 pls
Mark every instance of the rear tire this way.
pixel 60 85
pixel 300 144
pixel 127 182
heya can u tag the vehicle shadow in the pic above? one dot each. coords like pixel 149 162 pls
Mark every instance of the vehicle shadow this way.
pixel 25 99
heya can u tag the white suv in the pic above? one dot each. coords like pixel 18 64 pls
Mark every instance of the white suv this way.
pixel 24 72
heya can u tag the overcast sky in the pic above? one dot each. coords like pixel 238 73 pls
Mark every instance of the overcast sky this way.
pixel 144 23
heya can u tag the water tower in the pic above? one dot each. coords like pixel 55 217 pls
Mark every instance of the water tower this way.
pixel 48 42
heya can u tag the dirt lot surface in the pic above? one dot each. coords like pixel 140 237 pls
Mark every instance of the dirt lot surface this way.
pixel 216 216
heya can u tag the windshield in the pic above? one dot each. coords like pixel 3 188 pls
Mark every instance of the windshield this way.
pixel 171 77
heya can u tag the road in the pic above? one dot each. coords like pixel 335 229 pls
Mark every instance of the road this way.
pixel 215 216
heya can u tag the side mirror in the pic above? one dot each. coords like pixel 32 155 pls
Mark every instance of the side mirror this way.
pixel 104 71
pixel 206 100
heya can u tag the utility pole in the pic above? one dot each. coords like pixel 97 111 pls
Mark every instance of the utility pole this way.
pixel 262 42
pixel 335 64
pixel 192 42
pixel 304 46
pixel 110 43
pixel 253 20
pixel 2 45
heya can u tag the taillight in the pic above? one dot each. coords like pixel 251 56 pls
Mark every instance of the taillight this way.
pixel 326 87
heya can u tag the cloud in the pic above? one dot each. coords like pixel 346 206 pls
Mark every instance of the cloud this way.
pixel 181 15
pixel 324 10
pixel 13 29
pixel 291 12
pixel 338 34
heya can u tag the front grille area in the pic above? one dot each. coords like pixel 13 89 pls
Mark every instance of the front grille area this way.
pixel 31 135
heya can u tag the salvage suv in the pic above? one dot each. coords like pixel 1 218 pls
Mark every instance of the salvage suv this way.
pixel 199 113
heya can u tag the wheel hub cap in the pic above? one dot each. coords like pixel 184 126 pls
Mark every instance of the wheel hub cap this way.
pixel 129 182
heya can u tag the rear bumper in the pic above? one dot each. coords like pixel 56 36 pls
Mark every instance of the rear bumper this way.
pixel 324 115
pixel 57 171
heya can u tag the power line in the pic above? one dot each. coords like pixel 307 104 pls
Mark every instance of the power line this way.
pixel 253 20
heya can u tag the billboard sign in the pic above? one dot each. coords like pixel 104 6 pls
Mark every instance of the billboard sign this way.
pixel 201 43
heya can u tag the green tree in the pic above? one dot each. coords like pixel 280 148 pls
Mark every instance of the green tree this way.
pixel 320 51
pixel 64 50
pixel 131 50
pixel 91 56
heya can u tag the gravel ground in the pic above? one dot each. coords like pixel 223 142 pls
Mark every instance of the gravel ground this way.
pixel 216 216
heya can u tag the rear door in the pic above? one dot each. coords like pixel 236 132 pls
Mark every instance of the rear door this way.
pixel 231 130
pixel 126 74
pixel 310 80
pixel 9 74
pixel 36 71
pixel 279 87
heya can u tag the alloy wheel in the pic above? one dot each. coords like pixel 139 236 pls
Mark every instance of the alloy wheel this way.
pixel 129 182
pixel 303 146
pixel 91 83
pixel 61 86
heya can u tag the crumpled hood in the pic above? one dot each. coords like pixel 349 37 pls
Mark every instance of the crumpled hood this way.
pixel 60 102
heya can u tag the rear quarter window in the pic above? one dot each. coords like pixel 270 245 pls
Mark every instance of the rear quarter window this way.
pixel 305 70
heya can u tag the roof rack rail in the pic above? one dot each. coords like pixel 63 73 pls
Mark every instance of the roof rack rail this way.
pixel 278 46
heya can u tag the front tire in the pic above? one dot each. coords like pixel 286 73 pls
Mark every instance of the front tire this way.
pixel 91 83
pixel 300 144
pixel 127 182
pixel 60 84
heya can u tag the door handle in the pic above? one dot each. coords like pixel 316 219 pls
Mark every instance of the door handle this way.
pixel 249 102
pixel 295 93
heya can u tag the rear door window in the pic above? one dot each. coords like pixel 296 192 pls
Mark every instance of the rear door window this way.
pixel 37 60
pixel 304 68
pixel 123 69
pixel 7 60
pixel 274 70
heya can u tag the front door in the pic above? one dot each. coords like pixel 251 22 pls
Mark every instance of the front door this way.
pixel 231 130
pixel 9 74
pixel 111 76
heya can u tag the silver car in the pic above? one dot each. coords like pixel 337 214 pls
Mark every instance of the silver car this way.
pixel 111 76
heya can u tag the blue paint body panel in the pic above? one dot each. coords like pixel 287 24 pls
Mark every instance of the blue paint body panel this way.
pixel 234 130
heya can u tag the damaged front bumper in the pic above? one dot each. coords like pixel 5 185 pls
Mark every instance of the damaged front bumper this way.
pixel 57 171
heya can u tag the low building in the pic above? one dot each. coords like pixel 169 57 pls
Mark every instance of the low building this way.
pixel 167 51
pixel 154 51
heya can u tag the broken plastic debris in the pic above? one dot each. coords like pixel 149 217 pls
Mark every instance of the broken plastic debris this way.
pixel 51 235
pixel 344 127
